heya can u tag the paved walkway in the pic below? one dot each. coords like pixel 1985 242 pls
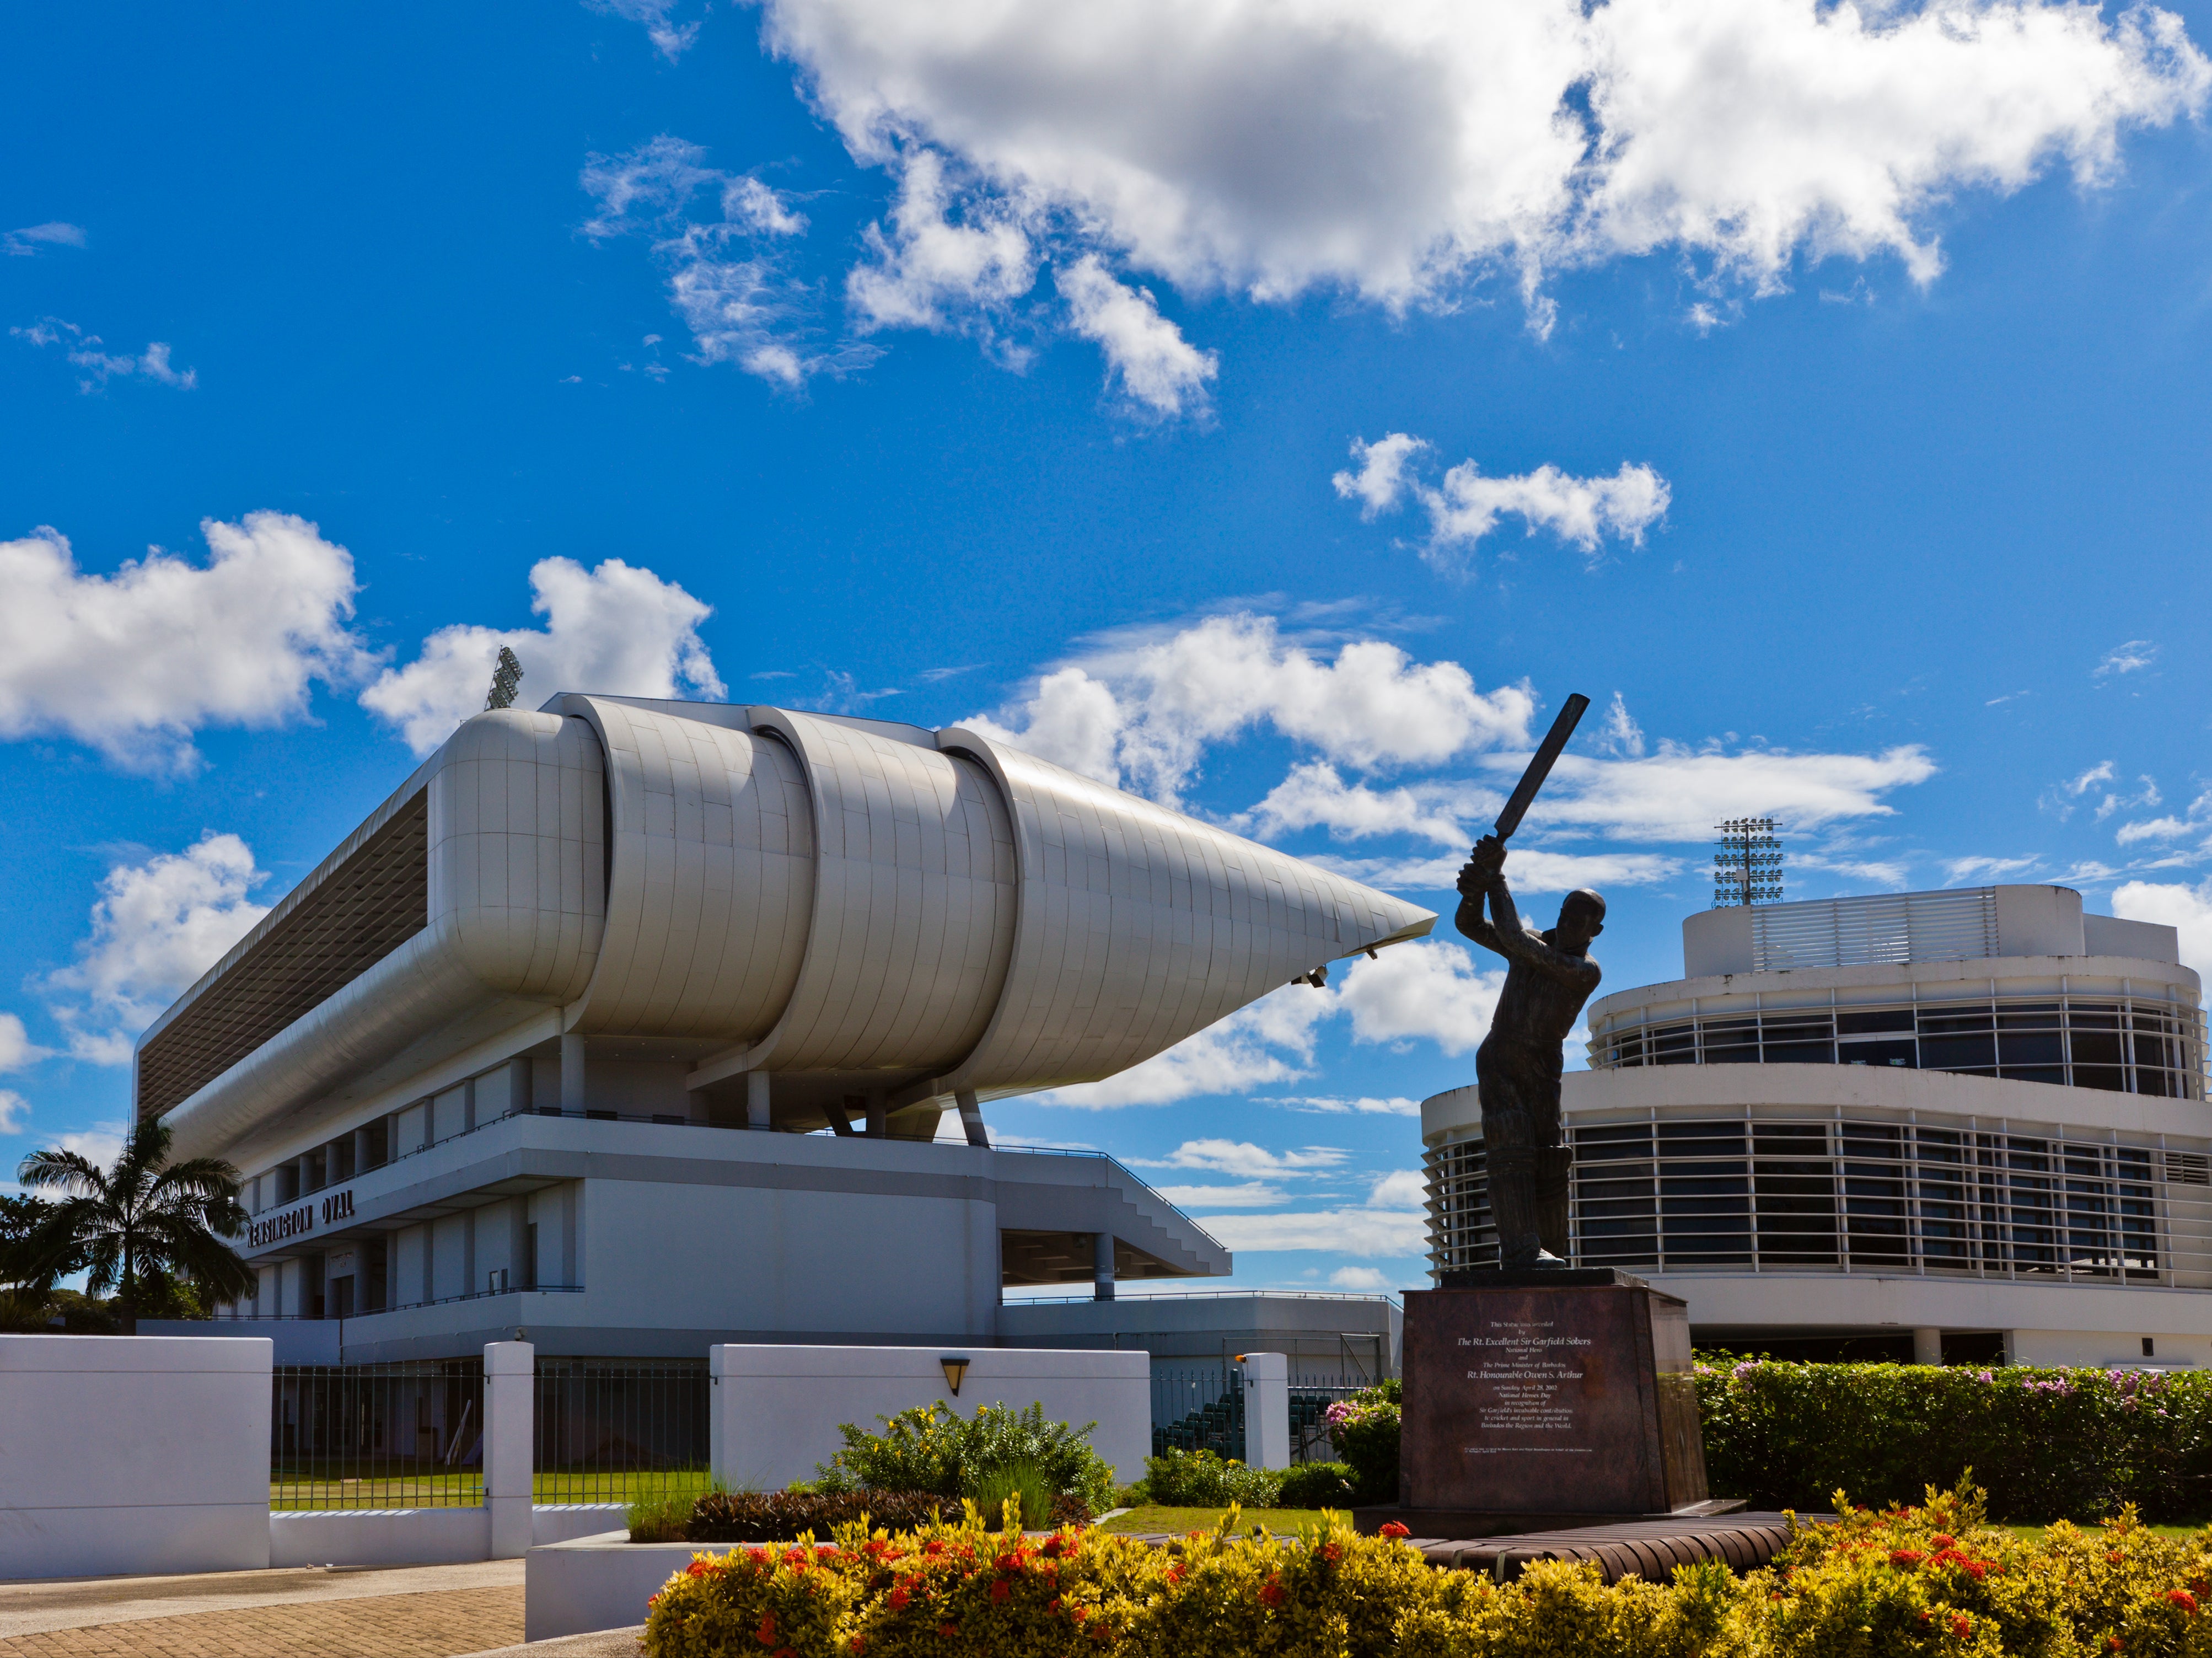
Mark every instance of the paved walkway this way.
pixel 406 1612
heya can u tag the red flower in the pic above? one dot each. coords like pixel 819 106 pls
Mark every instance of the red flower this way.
pixel 766 1633
pixel 2183 1599
pixel 2111 1644
pixel 1000 1590
pixel 1963 1627
pixel 1906 1557
pixel 696 1569
pixel 1332 1551
pixel 860 1643
pixel 1272 1593
pixel 825 1550
pixel 2112 1558
pixel 1393 1530
pixel 1175 1572
pixel 899 1598
pixel 1976 1569
pixel 1942 1541
pixel 1079 1613
pixel 945 1631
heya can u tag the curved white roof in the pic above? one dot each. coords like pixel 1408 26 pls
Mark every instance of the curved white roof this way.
pixel 844 903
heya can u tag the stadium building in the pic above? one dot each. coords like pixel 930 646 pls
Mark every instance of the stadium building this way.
pixel 630 1025
pixel 1962 1125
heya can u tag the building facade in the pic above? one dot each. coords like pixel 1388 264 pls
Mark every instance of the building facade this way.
pixel 1970 1122
pixel 632 1025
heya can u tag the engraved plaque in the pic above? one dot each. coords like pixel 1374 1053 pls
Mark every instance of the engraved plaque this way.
pixel 1543 1400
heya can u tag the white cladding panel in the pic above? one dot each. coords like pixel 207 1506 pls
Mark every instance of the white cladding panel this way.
pixel 712 885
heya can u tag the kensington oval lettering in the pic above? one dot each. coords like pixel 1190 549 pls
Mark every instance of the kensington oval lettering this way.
pixel 293 1221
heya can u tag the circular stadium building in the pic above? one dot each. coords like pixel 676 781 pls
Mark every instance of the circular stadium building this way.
pixel 1966 1126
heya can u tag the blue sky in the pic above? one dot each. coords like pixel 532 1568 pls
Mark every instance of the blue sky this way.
pixel 1278 415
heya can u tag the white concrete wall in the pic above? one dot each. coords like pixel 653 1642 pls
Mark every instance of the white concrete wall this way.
pixel 775 1410
pixel 799 1261
pixel 130 1454
pixel 377 1537
pixel 598 1582
pixel 1267 1410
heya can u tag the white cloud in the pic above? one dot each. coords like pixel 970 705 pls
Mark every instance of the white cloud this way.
pixel 1426 989
pixel 1158 367
pixel 1678 793
pixel 101 1145
pixel 15 1109
pixel 17 1050
pixel 1396 150
pixel 1960 871
pixel 133 663
pixel 1466 508
pixel 1401 1188
pixel 1249 1195
pixel 670 38
pixel 618 629
pixel 933 271
pixel 1172 696
pixel 156 927
pixel 1243 1158
pixel 26 242
pixel 1373 1233
pixel 2185 909
pixel 2198 822
pixel 1360 1279
pixel 1533 871
pixel 1397 1105
pixel 2130 657
pixel 726 279
pixel 1270 1042
pixel 1313 795
pixel 100 367
pixel 1620 734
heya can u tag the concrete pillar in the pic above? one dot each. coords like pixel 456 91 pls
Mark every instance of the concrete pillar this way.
pixel 510 1383
pixel 756 1101
pixel 1927 1346
pixel 363 1150
pixel 572 1073
pixel 971 1118
pixel 1101 1269
pixel 879 1118
pixel 1267 1410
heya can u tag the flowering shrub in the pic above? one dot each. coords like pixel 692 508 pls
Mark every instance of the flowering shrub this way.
pixel 930 1448
pixel 1928 1582
pixel 2043 1443
pixel 778 1516
pixel 1363 1429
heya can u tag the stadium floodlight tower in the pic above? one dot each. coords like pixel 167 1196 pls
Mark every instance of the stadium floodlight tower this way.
pixel 1748 869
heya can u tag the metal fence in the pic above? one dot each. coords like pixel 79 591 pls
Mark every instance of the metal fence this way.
pixel 606 1429
pixel 404 1436
pixel 1200 1409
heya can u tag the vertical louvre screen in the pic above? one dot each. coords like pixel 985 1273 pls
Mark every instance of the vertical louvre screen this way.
pixel 1892 928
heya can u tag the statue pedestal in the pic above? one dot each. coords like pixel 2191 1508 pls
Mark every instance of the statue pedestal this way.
pixel 1546 1398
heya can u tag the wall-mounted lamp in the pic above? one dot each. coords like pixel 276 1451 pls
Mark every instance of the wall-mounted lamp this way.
pixel 955 1369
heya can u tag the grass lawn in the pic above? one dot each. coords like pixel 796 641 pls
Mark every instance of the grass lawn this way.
pixel 331 1488
pixel 1186 1520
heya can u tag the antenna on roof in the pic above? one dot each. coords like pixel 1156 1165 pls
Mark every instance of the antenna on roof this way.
pixel 1748 869
pixel 504 678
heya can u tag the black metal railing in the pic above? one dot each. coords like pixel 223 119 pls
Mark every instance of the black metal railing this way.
pixel 1310 1398
pixel 1198 1410
pixel 404 1436
pixel 610 1430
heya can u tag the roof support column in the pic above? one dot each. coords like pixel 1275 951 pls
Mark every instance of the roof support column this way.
pixel 1102 1272
pixel 971 1118
pixel 572 1073
pixel 757 1102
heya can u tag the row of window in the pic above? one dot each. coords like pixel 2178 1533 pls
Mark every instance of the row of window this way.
pixel 2121 1046
pixel 1852 1196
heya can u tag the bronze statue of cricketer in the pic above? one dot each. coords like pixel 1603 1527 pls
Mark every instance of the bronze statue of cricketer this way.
pixel 1548 977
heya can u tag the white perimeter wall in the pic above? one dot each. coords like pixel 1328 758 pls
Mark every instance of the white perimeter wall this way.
pixel 776 1410
pixel 742 1258
pixel 133 1455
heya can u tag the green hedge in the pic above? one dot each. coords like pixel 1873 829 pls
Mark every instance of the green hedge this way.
pixel 2045 1444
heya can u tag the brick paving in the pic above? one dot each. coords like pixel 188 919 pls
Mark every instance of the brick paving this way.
pixel 438 1625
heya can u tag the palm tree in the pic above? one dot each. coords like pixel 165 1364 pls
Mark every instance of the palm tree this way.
pixel 145 1218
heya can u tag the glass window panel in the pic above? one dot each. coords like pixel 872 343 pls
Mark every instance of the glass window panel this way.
pixel 1957 1053
pixel 2034 1016
pixel 1790 1139
pixel 1868 1021
pixel 1673 1044
pixel 1801 1053
pixel 1901 1054
pixel 1609 1144
pixel 1949 1022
